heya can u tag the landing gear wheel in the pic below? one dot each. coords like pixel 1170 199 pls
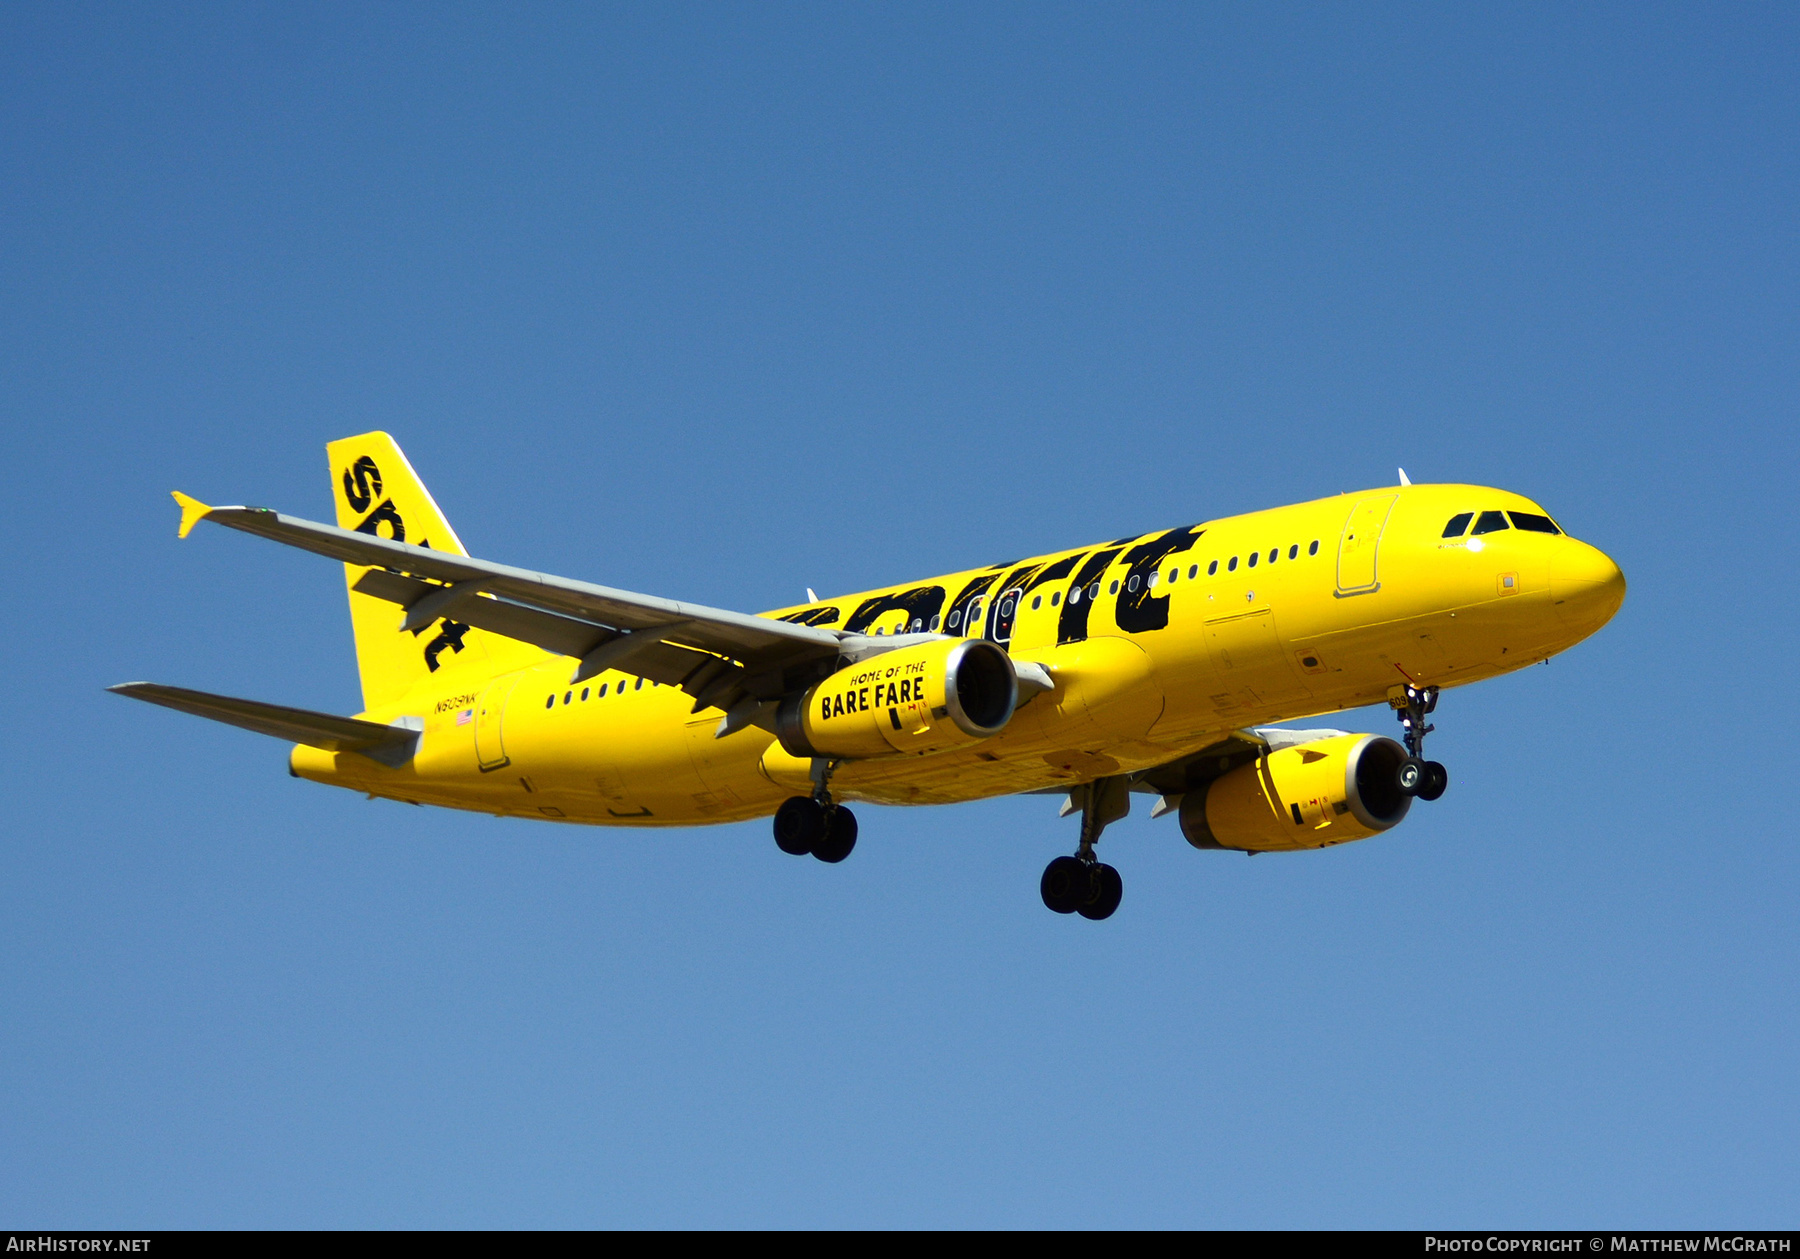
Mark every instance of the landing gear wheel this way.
pixel 1416 775
pixel 800 824
pixel 1436 779
pixel 839 838
pixel 1064 885
pixel 1105 890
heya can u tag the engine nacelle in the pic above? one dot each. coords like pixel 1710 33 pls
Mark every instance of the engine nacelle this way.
pixel 1311 795
pixel 913 700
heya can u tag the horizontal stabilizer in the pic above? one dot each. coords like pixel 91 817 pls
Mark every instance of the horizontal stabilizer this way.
pixel 388 744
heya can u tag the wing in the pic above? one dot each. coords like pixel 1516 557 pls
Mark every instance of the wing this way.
pixel 390 744
pixel 723 659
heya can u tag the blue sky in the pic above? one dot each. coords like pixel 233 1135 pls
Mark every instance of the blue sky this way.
pixel 723 302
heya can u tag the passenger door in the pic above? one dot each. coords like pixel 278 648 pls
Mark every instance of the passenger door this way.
pixel 490 710
pixel 1357 572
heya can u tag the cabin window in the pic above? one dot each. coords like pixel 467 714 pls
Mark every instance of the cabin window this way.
pixel 1114 588
pixel 1075 595
pixel 1231 566
pixel 639 686
pixel 1458 523
pixel 1037 601
pixel 567 696
pixel 1174 573
pixel 1532 522
pixel 1152 580
pixel 584 693
pixel 974 615
pixel 1006 607
pixel 1094 590
pixel 602 690
pixel 1490 522
pixel 1254 556
pixel 1274 555
pixel 1133 583
pixel 1193 571
pixel 934 622
pixel 955 619
pixel 1212 568
pixel 1314 548
pixel 1294 551
pixel 1055 597
pixel 549 701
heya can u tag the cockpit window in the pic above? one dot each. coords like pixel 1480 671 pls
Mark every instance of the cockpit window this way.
pixel 1458 523
pixel 1491 522
pixel 1532 522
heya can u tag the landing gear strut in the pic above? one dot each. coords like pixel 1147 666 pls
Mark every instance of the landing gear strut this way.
pixel 816 824
pixel 1418 776
pixel 1082 884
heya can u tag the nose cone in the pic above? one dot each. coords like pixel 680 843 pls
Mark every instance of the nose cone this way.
pixel 1586 587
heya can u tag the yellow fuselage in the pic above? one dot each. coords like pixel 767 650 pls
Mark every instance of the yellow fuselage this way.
pixel 1157 645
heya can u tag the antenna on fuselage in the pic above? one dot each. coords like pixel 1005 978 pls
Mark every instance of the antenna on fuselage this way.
pixel 810 596
pixel 1404 479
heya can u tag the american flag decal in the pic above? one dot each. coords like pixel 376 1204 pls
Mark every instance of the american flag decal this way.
pixel 465 716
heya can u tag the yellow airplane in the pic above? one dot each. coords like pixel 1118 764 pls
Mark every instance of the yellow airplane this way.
pixel 1148 664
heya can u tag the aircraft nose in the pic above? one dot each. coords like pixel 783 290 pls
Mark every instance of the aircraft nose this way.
pixel 1586 587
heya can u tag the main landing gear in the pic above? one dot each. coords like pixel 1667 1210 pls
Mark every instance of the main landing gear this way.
pixel 816 824
pixel 1081 884
pixel 1418 776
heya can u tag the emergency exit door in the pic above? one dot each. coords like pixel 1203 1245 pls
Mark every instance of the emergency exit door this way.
pixel 1006 613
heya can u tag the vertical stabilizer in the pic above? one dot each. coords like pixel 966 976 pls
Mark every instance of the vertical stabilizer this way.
pixel 377 492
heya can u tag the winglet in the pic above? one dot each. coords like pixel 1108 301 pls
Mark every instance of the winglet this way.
pixel 193 511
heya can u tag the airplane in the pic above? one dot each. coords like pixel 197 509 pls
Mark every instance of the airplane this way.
pixel 1153 664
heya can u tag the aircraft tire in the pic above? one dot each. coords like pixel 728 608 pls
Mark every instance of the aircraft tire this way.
pixel 1064 885
pixel 1106 890
pixel 799 825
pixel 839 837
pixel 1410 777
pixel 1437 778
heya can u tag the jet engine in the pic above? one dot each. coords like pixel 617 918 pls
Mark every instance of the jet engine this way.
pixel 919 699
pixel 1310 795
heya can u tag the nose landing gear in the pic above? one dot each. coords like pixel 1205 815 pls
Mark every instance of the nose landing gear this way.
pixel 1418 776
pixel 1082 884
pixel 816 824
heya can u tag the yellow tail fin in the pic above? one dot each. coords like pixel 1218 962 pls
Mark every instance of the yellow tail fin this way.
pixel 378 492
